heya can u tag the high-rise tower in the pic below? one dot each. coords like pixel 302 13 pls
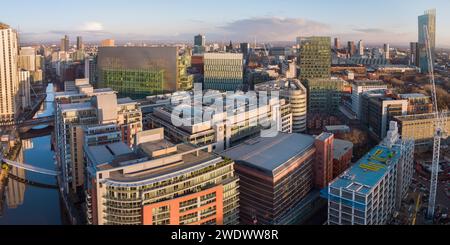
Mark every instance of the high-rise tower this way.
pixel 9 82
pixel 315 57
pixel 361 47
pixel 428 19
pixel 65 43
pixel 80 44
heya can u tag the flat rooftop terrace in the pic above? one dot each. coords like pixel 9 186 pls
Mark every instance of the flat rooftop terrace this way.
pixel 269 154
pixel 116 157
pixel 369 170
pixel 341 147
pixel 153 173
pixel 76 106
pixel 413 95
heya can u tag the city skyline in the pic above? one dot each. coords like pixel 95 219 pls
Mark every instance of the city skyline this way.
pixel 240 21
pixel 251 113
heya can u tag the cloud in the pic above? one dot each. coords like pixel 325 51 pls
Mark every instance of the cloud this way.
pixel 273 28
pixel 91 26
pixel 376 36
pixel 263 28
pixel 56 35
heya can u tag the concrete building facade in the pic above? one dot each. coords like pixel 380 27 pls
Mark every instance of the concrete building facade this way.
pixel 342 156
pixel 228 125
pixel 295 93
pixel 9 78
pixel 361 86
pixel 276 178
pixel 27 58
pixel 81 106
pixel 160 183
pixel 421 128
pixel 223 71
pixel 108 43
pixel 418 103
pixel 25 89
pixel 371 190
pixel 378 109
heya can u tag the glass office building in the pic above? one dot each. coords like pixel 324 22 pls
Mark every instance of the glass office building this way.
pixel 137 83
pixel 315 57
pixel 138 72
pixel 324 95
pixel 223 71
pixel 428 20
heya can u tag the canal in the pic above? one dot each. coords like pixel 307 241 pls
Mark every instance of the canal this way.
pixel 29 205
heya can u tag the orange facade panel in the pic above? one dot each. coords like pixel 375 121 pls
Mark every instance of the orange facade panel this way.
pixel 174 208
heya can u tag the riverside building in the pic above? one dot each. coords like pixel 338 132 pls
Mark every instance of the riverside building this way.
pixel 160 183
pixel 372 189
pixel 79 108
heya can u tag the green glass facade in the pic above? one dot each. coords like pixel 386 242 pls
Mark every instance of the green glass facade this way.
pixel 138 72
pixel 315 58
pixel 136 84
pixel 185 80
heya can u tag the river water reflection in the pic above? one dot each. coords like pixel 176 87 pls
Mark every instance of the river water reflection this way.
pixel 29 205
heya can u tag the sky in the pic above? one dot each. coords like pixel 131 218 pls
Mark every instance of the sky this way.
pixel 374 21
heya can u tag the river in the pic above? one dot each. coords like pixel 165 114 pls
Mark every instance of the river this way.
pixel 29 205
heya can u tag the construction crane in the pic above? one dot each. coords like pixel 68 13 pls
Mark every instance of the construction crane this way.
pixel 438 133
pixel 266 51
pixel 416 210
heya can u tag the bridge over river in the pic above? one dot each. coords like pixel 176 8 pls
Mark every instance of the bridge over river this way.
pixel 31 168
pixel 5 174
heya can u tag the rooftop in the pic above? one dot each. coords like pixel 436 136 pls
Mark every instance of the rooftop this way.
pixel 368 82
pixel 375 93
pixel 143 164
pixel 398 66
pixel 413 95
pixel 323 136
pixel 281 84
pixel 76 106
pixel 4 26
pixel 126 100
pixel 337 128
pixel 151 174
pixel 269 154
pixel 153 146
pixel 369 170
pixel 421 117
pixel 102 154
pixel 103 90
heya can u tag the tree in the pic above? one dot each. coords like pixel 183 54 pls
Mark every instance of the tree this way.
pixel 397 83
pixel 442 96
pixel 360 140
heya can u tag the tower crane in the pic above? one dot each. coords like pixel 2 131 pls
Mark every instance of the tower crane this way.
pixel 438 133
pixel 266 51
pixel 416 210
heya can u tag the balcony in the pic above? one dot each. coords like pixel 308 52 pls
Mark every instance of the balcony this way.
pixel 111 198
